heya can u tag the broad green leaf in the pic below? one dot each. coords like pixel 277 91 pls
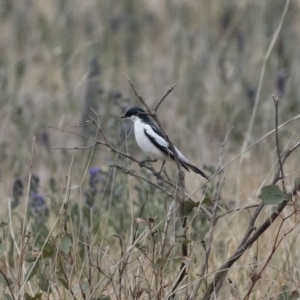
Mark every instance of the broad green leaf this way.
pixel 285 291
pixel 31 271
pixel 65 244
pixel 272 194
pixel 7 297
pixel 4 281
pixel 48 251
pixel 189 205
pixel 43 231
pixel 44 283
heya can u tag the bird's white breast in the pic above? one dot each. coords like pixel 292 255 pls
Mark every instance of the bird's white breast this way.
pixel 144 143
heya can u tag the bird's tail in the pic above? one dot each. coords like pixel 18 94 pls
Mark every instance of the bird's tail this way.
pixel 194 169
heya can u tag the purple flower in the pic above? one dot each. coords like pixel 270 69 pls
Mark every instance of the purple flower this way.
pixel 94 171
pixel 37 204
pixel 96 176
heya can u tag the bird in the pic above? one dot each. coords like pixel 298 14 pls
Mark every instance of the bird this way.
pixel 153 143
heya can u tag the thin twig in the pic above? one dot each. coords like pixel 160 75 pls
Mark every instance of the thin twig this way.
pixel 164 97
pixel 275 247
pixel 246 150
pixel 126 155
pixel 212 223
pixel 247 240
pixel 136 94
pixel 276 102
pixel 8 284
pixel 131 173
pixel 181 182
pixel 262 74
pixel 239 209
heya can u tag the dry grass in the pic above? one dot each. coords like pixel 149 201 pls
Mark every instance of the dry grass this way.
pixel 215 51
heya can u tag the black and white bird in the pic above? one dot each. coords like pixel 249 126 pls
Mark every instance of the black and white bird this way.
pixel 153 142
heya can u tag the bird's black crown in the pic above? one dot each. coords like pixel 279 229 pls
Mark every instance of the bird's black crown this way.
pixel 137 111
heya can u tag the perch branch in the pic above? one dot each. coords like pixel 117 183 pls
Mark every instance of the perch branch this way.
pixel 247 240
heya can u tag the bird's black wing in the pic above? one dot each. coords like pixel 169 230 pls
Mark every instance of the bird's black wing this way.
pixel 158 139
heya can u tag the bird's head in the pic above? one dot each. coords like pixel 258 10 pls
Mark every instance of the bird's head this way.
pixel 135 113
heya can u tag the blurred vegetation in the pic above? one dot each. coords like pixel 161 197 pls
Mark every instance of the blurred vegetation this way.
pixel 60 58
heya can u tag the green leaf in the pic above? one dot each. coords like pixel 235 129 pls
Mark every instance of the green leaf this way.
pixel 31 271
pixel 44 283
pixel 35 297
pixel 189 206
pixel 7 297
pixel 85 286
pixel 48 251
pixel 207 200
pixel 272 194
pixel 4 281
pixel 81 286
pixel 159 263
pixel 65 244
pixel 43 231
pixel 284 295
pixel 64 283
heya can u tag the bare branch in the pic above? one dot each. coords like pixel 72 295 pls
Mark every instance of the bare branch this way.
pixel 247 240
pixel 164 97
pixel 137 94
pixel 207 242
pixel 126 155
pixel 131 173
pixel 276 101
pixel 275 247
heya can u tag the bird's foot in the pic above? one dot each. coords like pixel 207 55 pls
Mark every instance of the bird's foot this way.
pixel 142 163
pixel 157 175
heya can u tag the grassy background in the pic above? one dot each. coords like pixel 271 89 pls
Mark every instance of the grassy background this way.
pixel 214 49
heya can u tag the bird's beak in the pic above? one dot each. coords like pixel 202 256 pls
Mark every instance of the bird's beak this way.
pixel 123 117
